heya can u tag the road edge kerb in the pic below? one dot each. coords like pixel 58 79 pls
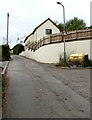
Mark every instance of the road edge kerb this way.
pixel 5 68
pixel 68 68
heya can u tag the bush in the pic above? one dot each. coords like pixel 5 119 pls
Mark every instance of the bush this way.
pixel 62 62
pixel 90 63
pixel 4 84
pixel 4 52
pixel 0 52
pixel 18 49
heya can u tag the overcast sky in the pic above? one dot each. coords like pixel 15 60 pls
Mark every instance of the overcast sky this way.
pixel 25 15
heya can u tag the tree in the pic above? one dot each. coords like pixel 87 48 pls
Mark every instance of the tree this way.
pixel 18 49
pixel 60 26
pixel 90 27
pixel 73 24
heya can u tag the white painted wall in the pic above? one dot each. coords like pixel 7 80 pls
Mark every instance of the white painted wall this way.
pixel 51 53
pixel 30 39
pixel 27 41
pixel 40 32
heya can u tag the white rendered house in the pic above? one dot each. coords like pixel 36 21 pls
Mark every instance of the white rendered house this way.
pixel 45 44
pixel 46 28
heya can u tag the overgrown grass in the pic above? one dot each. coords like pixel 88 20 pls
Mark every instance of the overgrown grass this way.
pixel 0 91
pixel 66 64
pixel 3 87
pixel 62 63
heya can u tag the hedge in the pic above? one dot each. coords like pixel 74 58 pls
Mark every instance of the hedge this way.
pixel 4 52
pixel 18 49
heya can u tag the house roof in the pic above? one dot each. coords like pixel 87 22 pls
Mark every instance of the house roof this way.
pixel 39 26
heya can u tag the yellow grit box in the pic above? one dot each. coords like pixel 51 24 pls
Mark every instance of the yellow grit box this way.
pixel 77 57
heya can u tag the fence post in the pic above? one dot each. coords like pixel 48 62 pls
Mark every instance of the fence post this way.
pixel 76 34
pixel 50 39
pixel 43 41
pixel 34 45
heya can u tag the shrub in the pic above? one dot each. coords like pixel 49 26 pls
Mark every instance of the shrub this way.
pixel 90 63
pixel 62 62
pixel 4 52
pixel 18 49
pixel 0 52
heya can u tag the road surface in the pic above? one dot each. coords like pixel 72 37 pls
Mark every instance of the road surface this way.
pixel 43 91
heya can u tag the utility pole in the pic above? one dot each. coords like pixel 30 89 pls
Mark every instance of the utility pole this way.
pixel 7 27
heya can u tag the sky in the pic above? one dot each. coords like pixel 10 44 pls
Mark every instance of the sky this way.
pixel 25 15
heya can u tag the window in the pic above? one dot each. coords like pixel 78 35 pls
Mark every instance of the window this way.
pixel 48 31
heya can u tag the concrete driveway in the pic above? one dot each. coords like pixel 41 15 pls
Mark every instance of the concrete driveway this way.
pixel 43 91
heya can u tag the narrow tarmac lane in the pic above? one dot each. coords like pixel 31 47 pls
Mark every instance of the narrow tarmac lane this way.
pixel 34 92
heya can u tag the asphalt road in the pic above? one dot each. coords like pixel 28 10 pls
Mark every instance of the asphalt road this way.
pixel 41 91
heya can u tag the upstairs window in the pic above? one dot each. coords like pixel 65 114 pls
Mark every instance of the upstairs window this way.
pixel 48 31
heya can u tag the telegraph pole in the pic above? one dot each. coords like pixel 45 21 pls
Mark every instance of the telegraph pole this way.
pixel 7 27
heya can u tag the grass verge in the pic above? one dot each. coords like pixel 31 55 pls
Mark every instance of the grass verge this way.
pixel 3 89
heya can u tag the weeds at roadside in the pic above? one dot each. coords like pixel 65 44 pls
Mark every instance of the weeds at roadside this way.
pixel 61 62
pixel 4 88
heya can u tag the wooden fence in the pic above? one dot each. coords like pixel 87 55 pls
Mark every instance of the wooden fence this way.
pixel 58 38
